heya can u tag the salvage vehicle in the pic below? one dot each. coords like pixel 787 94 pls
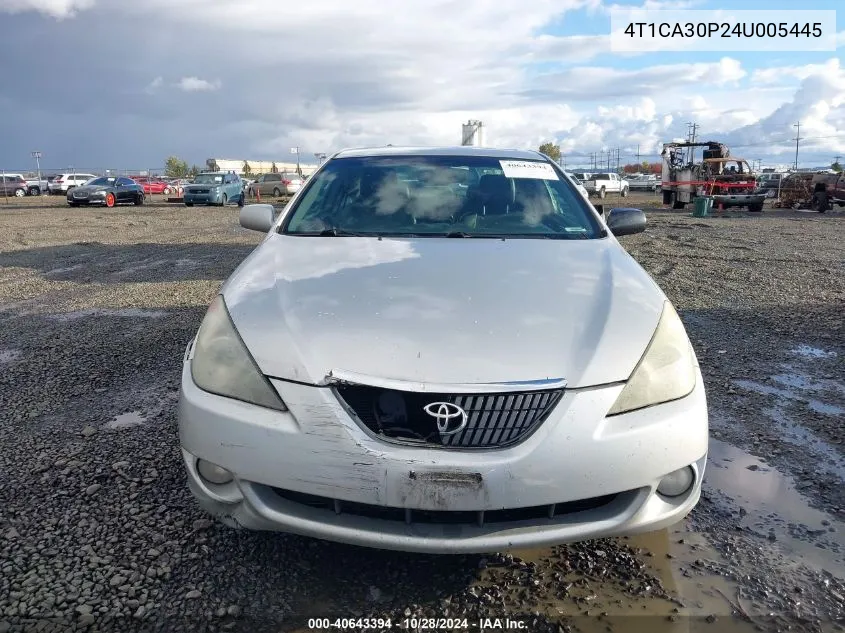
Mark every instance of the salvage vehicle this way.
pixel 602 184
pixel 405 365
pixel 815 191
pixel 106 191
pixel 214 188
pixel 729 181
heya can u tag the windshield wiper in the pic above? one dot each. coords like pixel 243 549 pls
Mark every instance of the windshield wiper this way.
pixel 458 234
pixel 333 232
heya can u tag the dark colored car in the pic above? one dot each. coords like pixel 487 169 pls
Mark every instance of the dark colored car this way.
pixel 107 191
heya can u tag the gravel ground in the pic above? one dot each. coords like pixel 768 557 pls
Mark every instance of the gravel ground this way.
pixel 98 531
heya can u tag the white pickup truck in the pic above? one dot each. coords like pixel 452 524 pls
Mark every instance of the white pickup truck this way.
pixel 602 184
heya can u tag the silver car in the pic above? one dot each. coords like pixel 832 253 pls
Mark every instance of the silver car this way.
pixel 442 350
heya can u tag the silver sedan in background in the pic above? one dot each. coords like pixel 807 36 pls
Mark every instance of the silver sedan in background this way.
pixel 443 350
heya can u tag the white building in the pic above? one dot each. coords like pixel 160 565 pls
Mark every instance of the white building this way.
pixel 257 166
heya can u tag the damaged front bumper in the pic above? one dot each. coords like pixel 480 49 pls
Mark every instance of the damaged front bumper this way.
pixel 313 471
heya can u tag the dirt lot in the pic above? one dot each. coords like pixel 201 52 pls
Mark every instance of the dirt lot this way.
pixel 98 531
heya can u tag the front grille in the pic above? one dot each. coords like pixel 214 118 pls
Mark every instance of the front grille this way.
pixel 536 514
pixel 198 190
pixel 81 195
pixel 494 420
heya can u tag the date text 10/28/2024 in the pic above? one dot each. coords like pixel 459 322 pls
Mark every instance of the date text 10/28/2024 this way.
pixel 416 624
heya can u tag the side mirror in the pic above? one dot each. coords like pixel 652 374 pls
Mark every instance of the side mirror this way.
pixel 626 221
pixel 258 217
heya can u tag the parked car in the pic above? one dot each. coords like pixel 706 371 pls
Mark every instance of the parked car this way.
pixel 153 185
pixel 643 182
pixel 217 188
pixel 106 191
pixel 578 185
pixel 64 182
pixel 602 184
pixel 365 377
pixel 283 184
pixel 13 185
pixel 36 186
pixel 770 183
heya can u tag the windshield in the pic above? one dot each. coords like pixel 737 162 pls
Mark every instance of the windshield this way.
pixel 208 179
pixel 437 196
pixel 100 182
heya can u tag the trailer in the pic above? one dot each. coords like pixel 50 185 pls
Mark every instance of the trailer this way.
pixel 728 180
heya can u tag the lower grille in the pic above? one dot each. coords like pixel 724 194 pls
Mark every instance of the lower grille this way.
pixel 493 420
pixel 450 517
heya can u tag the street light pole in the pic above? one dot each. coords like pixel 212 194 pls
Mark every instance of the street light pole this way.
pixel 37 156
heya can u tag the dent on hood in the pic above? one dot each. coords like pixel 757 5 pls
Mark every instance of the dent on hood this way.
pixel 447 312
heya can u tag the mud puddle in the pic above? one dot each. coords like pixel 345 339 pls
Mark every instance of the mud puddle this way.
pixel 771 506
pixel 126 420
pixel 9 355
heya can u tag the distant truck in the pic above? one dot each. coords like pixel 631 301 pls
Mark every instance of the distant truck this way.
pixel 602 184
pixel 728 180
pixel 35 187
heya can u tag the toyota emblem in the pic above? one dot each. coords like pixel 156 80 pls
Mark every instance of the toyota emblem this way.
pixel 450 417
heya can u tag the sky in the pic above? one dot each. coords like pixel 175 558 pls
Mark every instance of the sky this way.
pixel 117 84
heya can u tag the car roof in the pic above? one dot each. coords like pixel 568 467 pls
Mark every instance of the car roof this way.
pixel 459 150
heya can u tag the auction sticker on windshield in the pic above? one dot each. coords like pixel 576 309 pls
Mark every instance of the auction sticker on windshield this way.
pixel 528 169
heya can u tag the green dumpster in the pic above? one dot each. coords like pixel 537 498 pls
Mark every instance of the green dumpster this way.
pixel 703 205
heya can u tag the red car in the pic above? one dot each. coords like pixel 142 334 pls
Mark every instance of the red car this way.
pixel 153 185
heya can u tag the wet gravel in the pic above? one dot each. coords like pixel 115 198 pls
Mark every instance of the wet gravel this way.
pixel 99 533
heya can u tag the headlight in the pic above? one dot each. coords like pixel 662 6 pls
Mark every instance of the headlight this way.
pixel 223 365
pixel 665 372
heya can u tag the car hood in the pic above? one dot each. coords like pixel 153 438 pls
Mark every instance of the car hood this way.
pixel 89 189
pixel 444 311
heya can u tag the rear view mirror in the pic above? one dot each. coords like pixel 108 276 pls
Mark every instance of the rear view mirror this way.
pixel 258 217
pixel 626 221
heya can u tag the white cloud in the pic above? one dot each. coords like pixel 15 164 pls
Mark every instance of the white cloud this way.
pixel 784 74
pixel 154 85
pixel 195 84
pixel 59 9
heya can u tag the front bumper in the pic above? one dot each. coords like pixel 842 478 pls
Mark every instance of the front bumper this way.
pixel 738 200
pixel 202 198
pixel 313 471
pixel 87 201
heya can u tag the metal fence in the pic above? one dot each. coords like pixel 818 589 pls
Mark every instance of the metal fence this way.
pixel 29 172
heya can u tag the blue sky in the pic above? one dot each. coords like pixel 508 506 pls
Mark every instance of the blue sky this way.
pixel 120 85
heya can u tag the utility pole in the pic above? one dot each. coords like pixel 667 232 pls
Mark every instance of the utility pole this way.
pixel 797 139
pixel 37 156
pixel 836 160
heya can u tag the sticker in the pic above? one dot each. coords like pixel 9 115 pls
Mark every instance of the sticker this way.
pixel 528 169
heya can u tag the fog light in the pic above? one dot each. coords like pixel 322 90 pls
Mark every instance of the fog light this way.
pixel 213 473
pixel 676 483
